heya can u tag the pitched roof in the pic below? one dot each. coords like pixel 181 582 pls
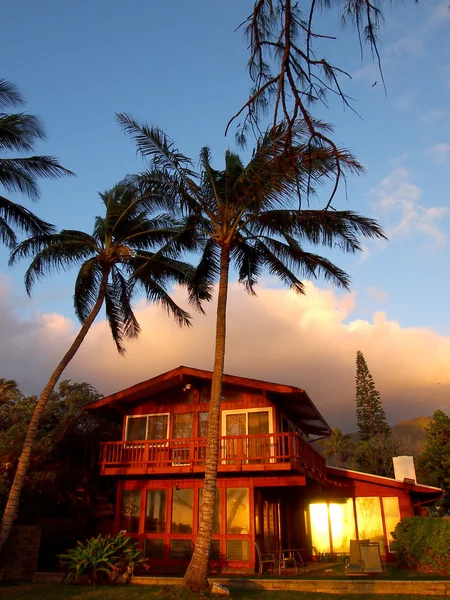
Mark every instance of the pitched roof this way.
pixel 294 401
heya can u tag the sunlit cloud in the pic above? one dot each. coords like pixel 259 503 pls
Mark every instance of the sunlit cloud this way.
pixel 308 341
pixel 398 199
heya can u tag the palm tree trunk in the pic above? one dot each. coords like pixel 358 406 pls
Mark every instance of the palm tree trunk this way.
pixel 197 571
pixel 12 505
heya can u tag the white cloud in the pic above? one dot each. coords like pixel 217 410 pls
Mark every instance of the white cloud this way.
pixel 308 341
pixel 398 199
pixel 376 294
pixel 440 152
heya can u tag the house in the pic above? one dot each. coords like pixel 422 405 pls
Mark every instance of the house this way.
pixel 273 486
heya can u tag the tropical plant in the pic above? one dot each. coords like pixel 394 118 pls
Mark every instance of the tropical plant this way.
pixel 127 251
pixel 339 447
pixel 19 132
pixel 114 558
pixel 370 414
pixel 375 455
pixel 62 469
pixel 249 216
pixel 9 391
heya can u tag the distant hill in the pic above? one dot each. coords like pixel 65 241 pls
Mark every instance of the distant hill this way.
pixel 412 432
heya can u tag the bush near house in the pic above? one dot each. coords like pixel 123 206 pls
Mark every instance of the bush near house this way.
pixel 423 544
pixel 105 559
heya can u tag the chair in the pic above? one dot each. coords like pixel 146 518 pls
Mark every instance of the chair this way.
pixel 365 558
pixel 265 558
pixel 291 558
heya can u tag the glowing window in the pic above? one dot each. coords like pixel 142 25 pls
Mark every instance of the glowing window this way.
pixel 342 521
pixel 370 526
pixel 238 511
pixel 320 532
pixel 391 517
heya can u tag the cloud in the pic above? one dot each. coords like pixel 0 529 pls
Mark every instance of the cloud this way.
pixel 434 115
pixel 438 16
pixel 398 199
pixel 376 294
pixel 440 152
pixel 308 341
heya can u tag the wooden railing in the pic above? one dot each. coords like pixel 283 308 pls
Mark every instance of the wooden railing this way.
pixel 236 452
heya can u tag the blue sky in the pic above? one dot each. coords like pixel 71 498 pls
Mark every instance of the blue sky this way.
pixel 182 66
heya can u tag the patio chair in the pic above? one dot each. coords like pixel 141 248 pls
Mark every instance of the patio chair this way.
pixel 365 558
pixel 265 558
pixel 291 558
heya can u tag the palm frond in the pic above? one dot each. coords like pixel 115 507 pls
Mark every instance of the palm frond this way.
pixel 247 260
pixel 156 293
pixel 124 292
pixel 114 317
pixel 9 94
pixel 52 252
pixel 205 275
pixel 20 174
pixel 20 131
pixel 14 214
pixel 87 286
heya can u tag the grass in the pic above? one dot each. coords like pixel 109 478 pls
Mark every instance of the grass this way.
pixel 38 591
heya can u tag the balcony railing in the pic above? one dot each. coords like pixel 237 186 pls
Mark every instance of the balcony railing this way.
pixel 272 451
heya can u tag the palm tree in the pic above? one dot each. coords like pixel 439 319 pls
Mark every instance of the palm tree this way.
pixel 128 250
pixel 19 132
pixel 9 391
pixel 246 215
pixel 338 446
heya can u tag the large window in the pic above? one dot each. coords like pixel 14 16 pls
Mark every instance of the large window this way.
pixel 252 422
pixel 148 427
pixel 391 510
pixel 183 425
pixel 155 511
pixel 238 511
pixel 130 511
pixel 182 511
pixel 370 525
pixel 332 525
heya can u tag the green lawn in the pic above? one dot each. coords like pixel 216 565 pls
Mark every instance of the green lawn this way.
pixel 134 592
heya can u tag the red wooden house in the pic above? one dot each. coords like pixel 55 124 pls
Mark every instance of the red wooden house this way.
pixel 273 486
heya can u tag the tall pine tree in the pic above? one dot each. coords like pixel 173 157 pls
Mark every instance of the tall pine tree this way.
pixel 370 413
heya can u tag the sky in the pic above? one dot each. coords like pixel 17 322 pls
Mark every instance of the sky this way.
pixel 182 66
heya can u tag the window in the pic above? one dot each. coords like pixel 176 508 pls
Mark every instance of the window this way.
pixel 252 422
pixel 238 511
pixel 183 425
pixel 148 427
pixel 181 549
pixel 340 516
pixel 155 511
pixel 203 424
pixel 391 510
pixel 130 511
pixel 216 523
pixel 370 526
pixel 182 511
pixel 238 550
pixel 154 548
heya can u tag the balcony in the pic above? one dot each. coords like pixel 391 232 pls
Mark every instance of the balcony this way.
pixel 265 452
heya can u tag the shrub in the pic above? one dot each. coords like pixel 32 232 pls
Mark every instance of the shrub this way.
pixel 423 544
pixel 105 558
